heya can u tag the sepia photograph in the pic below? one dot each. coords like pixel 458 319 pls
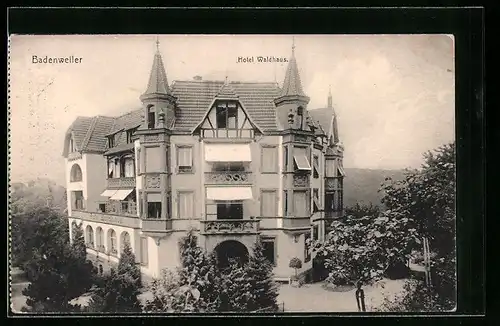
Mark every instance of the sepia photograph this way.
pixel 249 174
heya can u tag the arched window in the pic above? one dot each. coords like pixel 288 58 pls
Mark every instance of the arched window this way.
pixel 125 238
pixel 89 236
pixel 76 173
pixel 112 242
pixel 151 117
pixel 300 113
pixel 100 239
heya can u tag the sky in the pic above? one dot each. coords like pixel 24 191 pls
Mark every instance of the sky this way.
pixel 394 95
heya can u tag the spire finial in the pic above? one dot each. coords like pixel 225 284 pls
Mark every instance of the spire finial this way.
pixel 157 43
pixel 293 44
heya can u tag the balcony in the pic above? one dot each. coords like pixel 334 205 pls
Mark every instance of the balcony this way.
pixel 153 225
pixel 296 222
pixel 120 183
pixel 119 208
pixel 228 178
pixel 106 218
pixel 244 226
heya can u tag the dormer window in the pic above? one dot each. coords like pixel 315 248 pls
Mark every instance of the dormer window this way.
pixel 151 117
pixel 72 148
pixel 130 133
pixel 227 115
pixel 111 141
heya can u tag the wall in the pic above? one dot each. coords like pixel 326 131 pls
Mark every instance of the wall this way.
pixel 188 181
pixel 133 233
pixel 286 249
pixel 75 186
pixel 96 180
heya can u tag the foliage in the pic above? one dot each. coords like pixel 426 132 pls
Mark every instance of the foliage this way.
pixel 415 297
pixel 199 286
pixel 58 271
pixel 120 289
pixel 296 264
pixel 428 195
pixel 119 294
pixel 128 265
pixel 361 210
pixel 362 249
pixel 37 193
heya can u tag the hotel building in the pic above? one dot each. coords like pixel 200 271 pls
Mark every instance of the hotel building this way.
pixel 235 161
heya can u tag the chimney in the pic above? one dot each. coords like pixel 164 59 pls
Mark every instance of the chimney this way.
pixel 197 78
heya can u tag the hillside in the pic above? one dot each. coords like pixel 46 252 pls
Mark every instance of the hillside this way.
pixel 39 192
pixel 361 185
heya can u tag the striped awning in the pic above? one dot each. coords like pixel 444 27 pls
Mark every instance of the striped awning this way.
pixel 228 153
pixel 121 194
pixel 229 193
pixel 108 192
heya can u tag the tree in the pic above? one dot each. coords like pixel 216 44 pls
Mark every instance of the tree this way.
pixel 119 294
pixel 199 273
pixel 163 290
pixel 58 275
pixel 235 290
pixel 121 287
pixel 263 289
pixel 296 264
pixel 428 195
pixel 127 265
pixel 362 210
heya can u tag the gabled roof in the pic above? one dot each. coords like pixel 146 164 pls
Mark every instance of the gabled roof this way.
pixel 194 98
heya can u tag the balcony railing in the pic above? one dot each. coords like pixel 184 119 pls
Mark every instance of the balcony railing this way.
pixel 245 226
pixel 120 208
pixel 105 218
pixel 228 178
pixel 123 182
pixel 296 222
pixel 156 225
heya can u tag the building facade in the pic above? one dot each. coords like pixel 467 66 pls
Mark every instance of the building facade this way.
pixel 235 161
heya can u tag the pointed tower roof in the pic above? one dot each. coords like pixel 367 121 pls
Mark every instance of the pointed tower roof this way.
pixel 292 84
pixel 226 91
pixel 158 83
pixel 333 134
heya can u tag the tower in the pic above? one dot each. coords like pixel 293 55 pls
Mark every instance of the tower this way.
pixel 291 104
pixel 157 100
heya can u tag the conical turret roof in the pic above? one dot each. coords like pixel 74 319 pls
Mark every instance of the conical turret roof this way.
pixel 158 83
pixel 292 84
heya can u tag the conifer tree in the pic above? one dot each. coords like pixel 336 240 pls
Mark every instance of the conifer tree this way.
pixel 128 265
pixel 198 273
pixel 259 275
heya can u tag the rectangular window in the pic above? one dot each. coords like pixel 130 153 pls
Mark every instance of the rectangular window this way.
pixel 268 203
pixel 330 202
pixel 269 156
pixel 315 166
pixel 300 203
pixel 228 167
pixel 154 159
pixel 144 251
pixel 269 247
pixel 330 169
pixel 186 205
pixel 226 116
pixel 130 134
pixel 184 159
pixel 129 168
pixel 230 211
pixel 78 200
pixel 102 208
pixel 154 210
pixel 71 145
pixel 300 159
pixel 316 202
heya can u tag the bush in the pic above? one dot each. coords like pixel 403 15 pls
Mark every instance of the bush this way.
pixel 296 264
